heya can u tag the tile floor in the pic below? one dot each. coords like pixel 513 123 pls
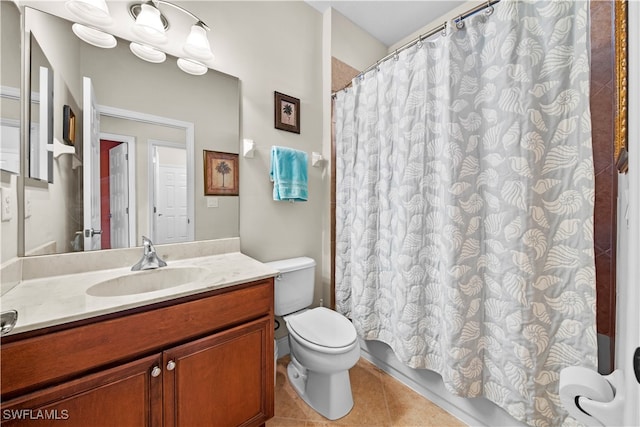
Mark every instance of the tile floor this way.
pixel 379 401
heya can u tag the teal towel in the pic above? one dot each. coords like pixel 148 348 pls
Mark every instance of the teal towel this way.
pixel 289 174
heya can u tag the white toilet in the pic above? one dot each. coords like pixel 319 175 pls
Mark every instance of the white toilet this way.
pixel 323 343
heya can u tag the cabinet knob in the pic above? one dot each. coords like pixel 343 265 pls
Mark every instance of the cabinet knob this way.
pixel 171 365
pixel 155 371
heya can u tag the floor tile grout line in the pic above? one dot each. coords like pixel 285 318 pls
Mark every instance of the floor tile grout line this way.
pixel 384 394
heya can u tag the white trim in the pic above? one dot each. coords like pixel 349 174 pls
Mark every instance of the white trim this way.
pixel 8 152
pixel 9 92
pixel 628 288
pixel 188 127
pixel 131 170
pixel 152 179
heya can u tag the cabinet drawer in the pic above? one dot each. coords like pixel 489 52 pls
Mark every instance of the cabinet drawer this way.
pixel 51 358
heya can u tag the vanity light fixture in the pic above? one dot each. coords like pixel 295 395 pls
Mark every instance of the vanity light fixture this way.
pixel 94 37
pixel 197 44
pixel 191 66
pixel 95 12
pixel 147 53
pixel 149 27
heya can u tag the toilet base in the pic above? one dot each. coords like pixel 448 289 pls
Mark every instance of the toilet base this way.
pixel 328 394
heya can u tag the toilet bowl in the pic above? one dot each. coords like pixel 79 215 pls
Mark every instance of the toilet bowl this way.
pixel 323 346
pixel 323 343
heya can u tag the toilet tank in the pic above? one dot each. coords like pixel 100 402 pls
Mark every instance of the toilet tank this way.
pixel 294 285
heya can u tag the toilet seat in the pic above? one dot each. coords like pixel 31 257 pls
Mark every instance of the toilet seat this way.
pixel 324 328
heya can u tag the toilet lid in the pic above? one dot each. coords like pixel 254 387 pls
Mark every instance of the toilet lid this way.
pixel 323 327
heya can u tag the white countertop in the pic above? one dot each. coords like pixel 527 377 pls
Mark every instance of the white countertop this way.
pixel 61 299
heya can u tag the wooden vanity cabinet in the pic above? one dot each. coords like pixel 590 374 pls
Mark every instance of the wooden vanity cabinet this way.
pixel 126 395
pixel 222 375
pixel 219 380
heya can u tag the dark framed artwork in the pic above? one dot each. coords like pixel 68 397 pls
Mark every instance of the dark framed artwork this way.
pixel 287 112
pixel 221 175
pixel 68 125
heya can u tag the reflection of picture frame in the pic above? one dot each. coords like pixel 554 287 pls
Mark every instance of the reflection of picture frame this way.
pixel 68 125
pixel 287 112
pixel 221 176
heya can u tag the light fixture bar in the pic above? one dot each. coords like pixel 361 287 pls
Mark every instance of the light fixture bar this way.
pixel 180 8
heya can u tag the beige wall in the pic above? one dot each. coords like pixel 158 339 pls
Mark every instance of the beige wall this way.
pixel 9 109
pixel 273 46
pixel 352 45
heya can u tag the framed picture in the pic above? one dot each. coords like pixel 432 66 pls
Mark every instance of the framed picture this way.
pixel 620 140
pixel 287 112
pixel 68 125
pixel 221 177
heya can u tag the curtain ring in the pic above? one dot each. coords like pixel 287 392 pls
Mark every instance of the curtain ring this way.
pixel 489 10
pixel 459 23
pixel 395 55
pixel 444 28
pixel 378 66
pixel 419 44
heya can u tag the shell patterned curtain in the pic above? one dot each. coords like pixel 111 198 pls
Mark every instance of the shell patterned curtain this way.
pixel 465 192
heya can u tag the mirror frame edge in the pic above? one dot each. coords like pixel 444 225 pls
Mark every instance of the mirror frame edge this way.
pixel 620 141
pixel 25 91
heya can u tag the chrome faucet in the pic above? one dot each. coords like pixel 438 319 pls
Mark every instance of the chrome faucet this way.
pixel 150 259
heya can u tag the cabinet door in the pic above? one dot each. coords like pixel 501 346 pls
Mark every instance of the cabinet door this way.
pixel 222 380
pixel 127 395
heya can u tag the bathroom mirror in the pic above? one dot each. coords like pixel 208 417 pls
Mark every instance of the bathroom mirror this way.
pixel 10 88
pixel 154 118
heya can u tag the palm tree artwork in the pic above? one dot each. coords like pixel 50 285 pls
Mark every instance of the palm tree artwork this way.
pixel 287 109
pixel 223 168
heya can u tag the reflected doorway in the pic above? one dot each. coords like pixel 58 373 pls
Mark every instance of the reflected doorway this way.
pixel 170 218
pixel 117 190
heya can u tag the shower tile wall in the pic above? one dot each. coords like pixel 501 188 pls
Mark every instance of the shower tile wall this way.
pixel 602 112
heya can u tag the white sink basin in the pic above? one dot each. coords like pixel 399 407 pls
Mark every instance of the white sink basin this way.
pixel 139 282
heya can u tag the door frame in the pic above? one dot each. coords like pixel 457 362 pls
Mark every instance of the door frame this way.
pixel 151 144
pixel 188 128
pixel 131 179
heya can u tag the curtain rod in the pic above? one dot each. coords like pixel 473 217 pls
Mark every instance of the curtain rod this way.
pixel 428 34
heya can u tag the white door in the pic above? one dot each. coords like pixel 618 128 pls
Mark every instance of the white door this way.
pixel 171 204
pixel 119 196
pixel 91 167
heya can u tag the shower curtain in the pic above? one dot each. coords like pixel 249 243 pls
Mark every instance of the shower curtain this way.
pixel 464 205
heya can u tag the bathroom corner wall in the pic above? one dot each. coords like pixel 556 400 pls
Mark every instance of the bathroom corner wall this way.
pixel 602 113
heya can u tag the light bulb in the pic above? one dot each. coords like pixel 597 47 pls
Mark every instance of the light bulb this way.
pixel 197 44
pixel 148 25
